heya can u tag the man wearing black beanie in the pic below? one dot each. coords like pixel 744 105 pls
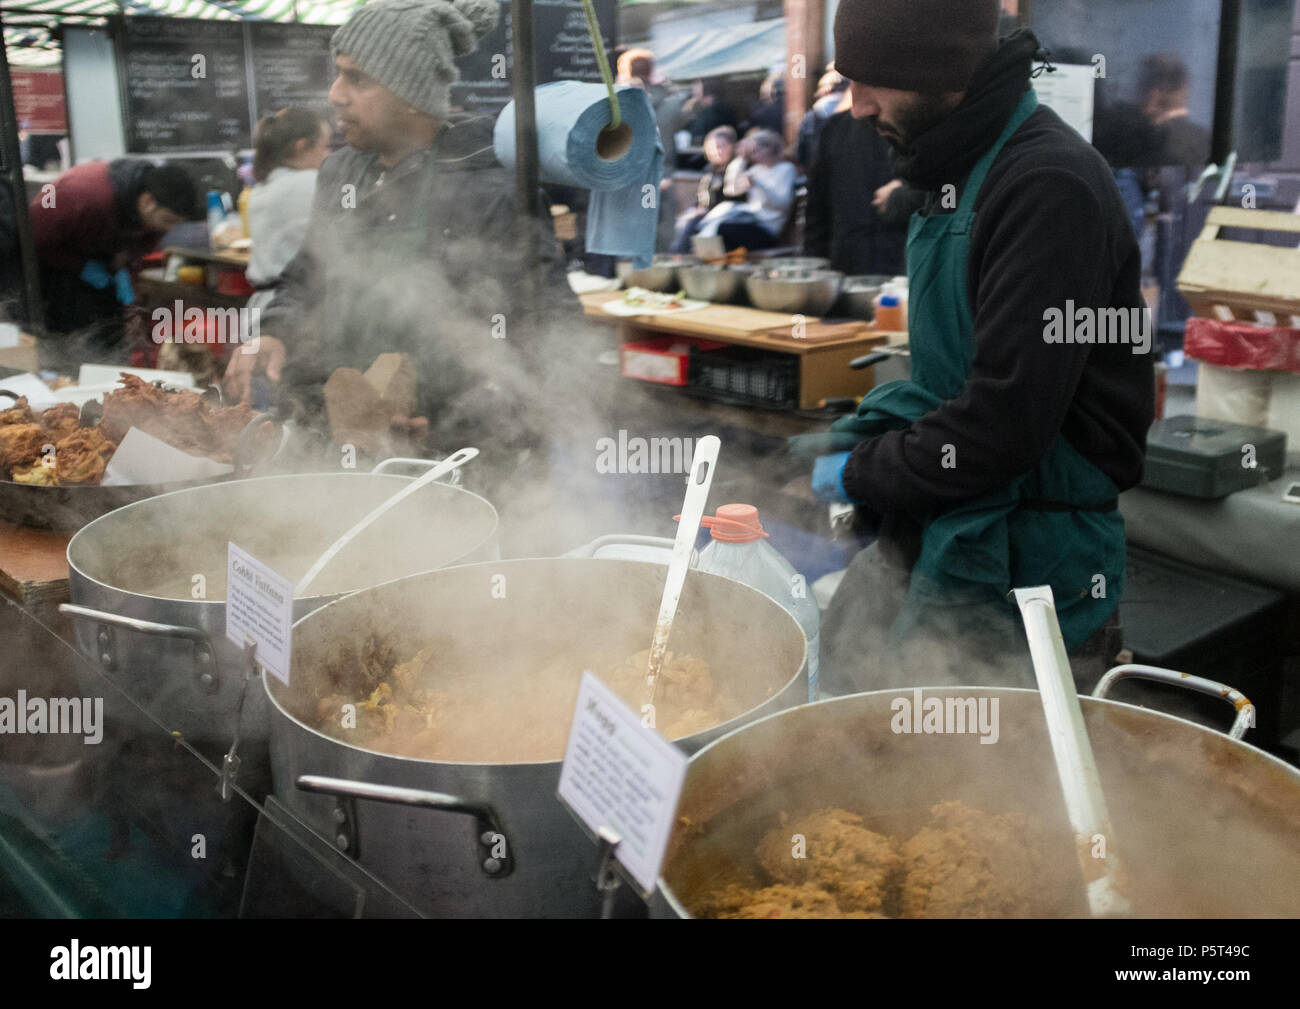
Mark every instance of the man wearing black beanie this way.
pixel 999 463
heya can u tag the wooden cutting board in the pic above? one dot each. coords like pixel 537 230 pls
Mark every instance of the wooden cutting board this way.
pixel 33 564
pixel 818 331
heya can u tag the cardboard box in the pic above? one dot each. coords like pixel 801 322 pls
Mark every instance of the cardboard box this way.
pixel 360 407
pixel 24 357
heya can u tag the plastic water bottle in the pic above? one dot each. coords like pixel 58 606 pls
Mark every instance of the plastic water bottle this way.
pixel 739 552
pixel 216 216
pixel 890 314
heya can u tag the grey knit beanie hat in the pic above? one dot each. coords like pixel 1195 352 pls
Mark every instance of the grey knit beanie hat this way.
pixel 410 46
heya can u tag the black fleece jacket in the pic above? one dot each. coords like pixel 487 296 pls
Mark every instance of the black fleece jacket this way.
pixel 1050 228
pixel 850 162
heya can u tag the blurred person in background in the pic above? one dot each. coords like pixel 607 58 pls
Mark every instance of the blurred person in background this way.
pixel 760 191
pixel 850 165
pixel 11 271
pixel 1130 143
pixel 705 110
pixel 768 113
pixel 830 93
pixel 1165 88
pixel 719 148
pixel 288 149
pixel 90 234
pixel 636 68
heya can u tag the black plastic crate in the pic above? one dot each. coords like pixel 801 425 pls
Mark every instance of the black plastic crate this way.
pixel 742 375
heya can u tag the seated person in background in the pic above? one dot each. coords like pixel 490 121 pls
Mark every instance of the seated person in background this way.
pixel 288 150
pixel 765 179
pixel 90 232
pixel 719 146
pixel 850 164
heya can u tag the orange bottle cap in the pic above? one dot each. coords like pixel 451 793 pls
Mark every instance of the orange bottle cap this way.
pixel 734 523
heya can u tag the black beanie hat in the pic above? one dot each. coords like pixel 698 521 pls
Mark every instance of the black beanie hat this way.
pixel 915 45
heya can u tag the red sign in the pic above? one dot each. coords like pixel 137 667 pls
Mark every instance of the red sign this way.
pixel 38 100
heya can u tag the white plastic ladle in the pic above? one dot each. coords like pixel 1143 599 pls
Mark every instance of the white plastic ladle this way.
pixel 1076 767
pixel 697 494
pixel 452 462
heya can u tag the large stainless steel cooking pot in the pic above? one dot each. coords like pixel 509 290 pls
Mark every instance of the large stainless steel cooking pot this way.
pixel 154 575
pixel 504 620
pixel 1205 825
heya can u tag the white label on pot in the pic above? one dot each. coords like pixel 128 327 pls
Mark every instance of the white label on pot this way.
pixel 619 774
pixel 259 608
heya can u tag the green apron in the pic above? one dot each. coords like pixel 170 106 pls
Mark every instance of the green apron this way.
pixel 1057 525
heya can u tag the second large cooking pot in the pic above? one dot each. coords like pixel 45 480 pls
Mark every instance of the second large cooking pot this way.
pixel 156 571
pixel 1205 826
pixel 490 838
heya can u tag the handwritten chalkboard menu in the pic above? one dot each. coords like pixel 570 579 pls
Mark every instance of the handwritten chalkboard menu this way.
pixel 185 85
pixel 292 65
pixel 562 51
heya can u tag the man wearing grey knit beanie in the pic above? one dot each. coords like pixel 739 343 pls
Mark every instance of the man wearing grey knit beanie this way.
pixel 396 63
pixel 413 245
pixel 999 464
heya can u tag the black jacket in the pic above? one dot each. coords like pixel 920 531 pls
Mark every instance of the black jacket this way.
pixel 424 258
pixel 850 162
pixel 1050 227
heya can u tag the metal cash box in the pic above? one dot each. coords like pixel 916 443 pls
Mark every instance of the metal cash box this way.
pixel 1204 458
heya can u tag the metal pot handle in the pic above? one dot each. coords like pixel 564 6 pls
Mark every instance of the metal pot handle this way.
pixel 624 539
pixel 397 460
pixel 243 454
pixel 207 671
pixel 495 855
pixel 1245 709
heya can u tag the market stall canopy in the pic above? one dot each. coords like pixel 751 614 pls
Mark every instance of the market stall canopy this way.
pixel 27 27
pixel 735 49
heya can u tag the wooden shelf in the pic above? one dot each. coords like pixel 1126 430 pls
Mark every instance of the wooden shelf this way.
pixel 33 564
pixel 824 371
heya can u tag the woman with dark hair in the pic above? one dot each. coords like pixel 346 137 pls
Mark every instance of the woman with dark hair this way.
pixel 287 150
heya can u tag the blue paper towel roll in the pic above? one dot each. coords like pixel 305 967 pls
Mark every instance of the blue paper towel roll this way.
pixel 623 212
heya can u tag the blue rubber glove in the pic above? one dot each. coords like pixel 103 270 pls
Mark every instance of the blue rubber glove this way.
pixel 96 274
pixel 828 478
pixel 125 292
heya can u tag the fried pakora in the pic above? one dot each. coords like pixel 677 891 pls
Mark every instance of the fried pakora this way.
pixel 136 404
pixel 80 458
pixel 61 419
pixel 18 413
pixel 21 444
pixel 182 418
pixel 36 474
